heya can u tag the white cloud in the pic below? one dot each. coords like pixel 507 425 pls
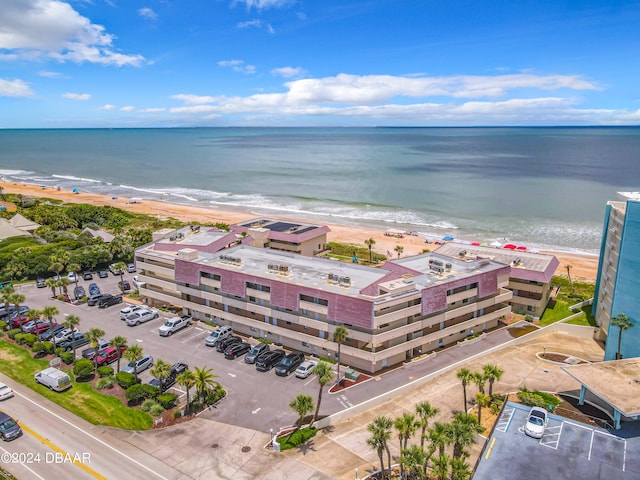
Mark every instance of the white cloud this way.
pixel 152 110
pixel 107 106
pixel 148 13
pixel 238 66
pixel 194 99
pixel 289 72
pixel 128 108
pixel 265 4
pixel 50 28
pixel 250 24
pixel 47 74
pixel 14 88
pixel 81 97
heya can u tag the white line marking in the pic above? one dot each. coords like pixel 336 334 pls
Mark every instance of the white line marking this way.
pixel 309 381
pixel 624 456
pixel 139 340
pixel 254 412
pixel 232 375
pixel 199 329
pixel 91 436
pixel 24 465
pixel 577 425
pixel 591 444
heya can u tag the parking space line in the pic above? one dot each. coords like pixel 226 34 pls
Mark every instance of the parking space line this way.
pixel 577 425
pixel 593 433
pixel 505 419
pixel 549 442
pixel 624 456
pixel 312 379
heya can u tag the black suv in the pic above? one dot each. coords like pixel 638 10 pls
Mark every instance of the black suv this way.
pixel 266 361
pixel 289 363
pixel 227 342
pixel 236 349
pixel 168 382
pixel 95 299
pixel 109 300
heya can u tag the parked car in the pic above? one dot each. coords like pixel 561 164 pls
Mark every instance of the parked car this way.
pixel 109 300
pixel 29 326
pixel 137 283
pixel 47 335
pixel 91 352
pixel 536 422
pixel 94 299
pixel 114 270
pixel 140 366
pixel 94 289
pixel 289 363
pixel 42 326
pixel 102 274
pixel 5 391
pixel 109 355
pixel 10 312
pixel 227 342
pixel 217 335
pixel 131 267
pixel 63 335
pixel 305 368
pixel 236 349
pixel 79 292
pixel 141 316
pixel 255 352
pixel 18 321
pixel 174 324
pixel 9 428
pixel 41 283
pixel 87 275
pixel 53 378
pixel 267 360
pixel 128 310
pixel 170 381
pixel 124 286
pixel 80 340
pixel 72 277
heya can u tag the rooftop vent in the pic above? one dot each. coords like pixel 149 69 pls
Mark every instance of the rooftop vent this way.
pixel 462 253
pixel 231 260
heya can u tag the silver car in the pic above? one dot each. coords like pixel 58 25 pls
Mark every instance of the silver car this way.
pixel 141 365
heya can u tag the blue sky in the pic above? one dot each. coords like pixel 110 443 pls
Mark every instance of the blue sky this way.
pixel 162 63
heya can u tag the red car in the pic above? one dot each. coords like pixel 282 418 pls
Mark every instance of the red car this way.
pixel 17 322
pixel 43 327
pixel 109 355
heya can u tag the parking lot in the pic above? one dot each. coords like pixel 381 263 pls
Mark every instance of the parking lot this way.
pixel 255 400
pixel 568 449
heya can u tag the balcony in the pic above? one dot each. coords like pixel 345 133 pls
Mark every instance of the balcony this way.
pixel 458 297
pixel 399 314
pixel 314 307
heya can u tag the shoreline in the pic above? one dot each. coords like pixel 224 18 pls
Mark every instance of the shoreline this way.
pixel 583 266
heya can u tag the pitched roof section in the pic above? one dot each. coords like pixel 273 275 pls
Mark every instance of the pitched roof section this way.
pixel 7 230
pixel 18 221
pixel 105 236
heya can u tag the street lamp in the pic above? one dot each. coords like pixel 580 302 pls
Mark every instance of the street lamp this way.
pixel 356 474
pixel 544 351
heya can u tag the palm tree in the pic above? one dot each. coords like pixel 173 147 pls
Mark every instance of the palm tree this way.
pixel 94 335
pixel 439 436
pixel 462 432
pixel 492 373
pixel 483 401
pixel 71 322
pixel 324 372
pixel 465 376
pixel 406 426
pixel 6 293
pixel 414 461
pixel 569 267
pixel 204 380
pixel 118 342
pixel 303 406
pixel 16 299
pixel 623 323
pixel 161 371
pixel 480 380
pixel 187 379
pixel 441 467
pixel 375 441
pixel 62 283
pixel 425 412
pixel 132 355
pixel 52 283
pixel 399 249
pixel 381 428
pixel 370 242
pixel 121 266
pixel 49 312
pixel 33 315
pixel 460 470
pixel 340 335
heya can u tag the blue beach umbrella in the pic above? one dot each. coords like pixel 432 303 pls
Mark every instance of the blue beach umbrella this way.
pixel 75 190
pixel 447 239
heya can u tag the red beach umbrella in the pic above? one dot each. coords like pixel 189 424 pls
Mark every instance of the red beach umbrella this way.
pixel 510 246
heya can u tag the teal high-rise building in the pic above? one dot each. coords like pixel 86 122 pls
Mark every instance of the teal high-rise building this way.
pixel 618 281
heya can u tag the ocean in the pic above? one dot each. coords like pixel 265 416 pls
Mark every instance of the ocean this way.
pixel 541 187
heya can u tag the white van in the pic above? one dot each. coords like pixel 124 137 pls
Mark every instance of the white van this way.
pixel 217 335
pixel 54 379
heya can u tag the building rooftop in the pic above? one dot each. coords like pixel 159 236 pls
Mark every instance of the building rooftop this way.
pixel 194 236
pixel 617 382
pixel 519 260
pixel 279 226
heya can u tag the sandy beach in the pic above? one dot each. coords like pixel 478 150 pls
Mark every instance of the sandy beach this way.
pixel 583 266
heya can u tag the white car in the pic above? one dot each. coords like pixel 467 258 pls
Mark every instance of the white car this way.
pixel 172 325
pixel 536 421
pixel 5 392
pixel 141 316
pixel 305 368
pixel 62 335
pixel 128 310
pixel 137 283
pixel 72 277
pixel 141 365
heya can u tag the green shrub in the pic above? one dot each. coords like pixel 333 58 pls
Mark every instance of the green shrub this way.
pixel 215 394
pixel 59 351
pixel 150 391
pixel 3 325
pixel 264 340
pixel 105 371
pixel 298 438
pixel 105 382
pixel 67 357
pixel 19 338
pixel 147 404
pixel 30 339
pixel 156 409
pixel 48 347
pixel 328 360
pixel 134 394
pixel 167 400
pixel 125 379
pixel 531 399
pixel 528 318
pixel 83 368
pixel 39 348
pixel 177 414
pixel 13 332
pixel 549 398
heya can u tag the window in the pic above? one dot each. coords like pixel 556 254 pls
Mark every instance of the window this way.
pixel 465 300
pixel 305 344
pixel 253 329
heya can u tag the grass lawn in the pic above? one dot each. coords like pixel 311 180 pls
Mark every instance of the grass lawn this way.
pixel 81 399
pixel 560 310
